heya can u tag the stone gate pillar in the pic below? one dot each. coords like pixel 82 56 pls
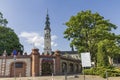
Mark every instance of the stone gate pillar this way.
pixel 35 62
pixel 57 62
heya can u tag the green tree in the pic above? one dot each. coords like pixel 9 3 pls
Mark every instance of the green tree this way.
pixel 102 59
pixel 86 29
pixel 107 50
pixel 8 38
pixel 3 22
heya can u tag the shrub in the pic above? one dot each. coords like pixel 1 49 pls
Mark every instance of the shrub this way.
pixel 101 71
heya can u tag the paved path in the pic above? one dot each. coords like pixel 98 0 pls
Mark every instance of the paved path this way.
pixel 80 77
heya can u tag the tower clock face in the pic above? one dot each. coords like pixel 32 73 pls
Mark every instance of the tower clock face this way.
pixel 46 31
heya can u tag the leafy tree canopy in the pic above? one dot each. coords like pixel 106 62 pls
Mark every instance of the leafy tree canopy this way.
pixel 87 30
pixel 8 38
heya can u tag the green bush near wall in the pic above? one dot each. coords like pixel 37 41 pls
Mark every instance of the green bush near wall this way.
pixel 101 71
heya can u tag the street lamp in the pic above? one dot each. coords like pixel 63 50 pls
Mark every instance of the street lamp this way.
pixel 14 67
pixel 14 54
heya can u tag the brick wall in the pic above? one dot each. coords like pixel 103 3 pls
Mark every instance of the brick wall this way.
pixel 10 61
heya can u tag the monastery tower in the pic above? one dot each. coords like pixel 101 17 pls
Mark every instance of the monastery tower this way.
pixel 47 36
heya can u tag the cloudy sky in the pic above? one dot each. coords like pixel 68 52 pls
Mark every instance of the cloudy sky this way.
pixel 27 18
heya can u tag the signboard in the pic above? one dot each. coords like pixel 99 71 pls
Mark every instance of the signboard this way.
pixel 14 52
pixel 86 59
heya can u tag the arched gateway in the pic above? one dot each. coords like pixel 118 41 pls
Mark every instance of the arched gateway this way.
pixel 47 66
pixel 18 69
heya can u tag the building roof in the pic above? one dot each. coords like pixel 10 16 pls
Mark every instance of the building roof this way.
pixel 68 52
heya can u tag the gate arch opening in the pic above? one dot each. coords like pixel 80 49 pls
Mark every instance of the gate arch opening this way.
pixel 18 69
pixel 47 67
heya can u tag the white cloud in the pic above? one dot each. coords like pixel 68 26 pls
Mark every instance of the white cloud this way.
pixel 54 44
pixel 53 37
pixel 36 39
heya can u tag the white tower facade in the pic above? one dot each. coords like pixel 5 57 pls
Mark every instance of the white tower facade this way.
pixel 47 37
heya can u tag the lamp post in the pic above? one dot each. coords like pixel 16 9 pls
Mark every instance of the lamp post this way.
pixel 65 69
pixel 14 54
pixel 14 67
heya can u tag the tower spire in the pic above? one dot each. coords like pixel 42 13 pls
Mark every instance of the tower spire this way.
pixel 47 23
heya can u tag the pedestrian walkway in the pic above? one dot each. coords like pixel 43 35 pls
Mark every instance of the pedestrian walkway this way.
pixel 70 77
